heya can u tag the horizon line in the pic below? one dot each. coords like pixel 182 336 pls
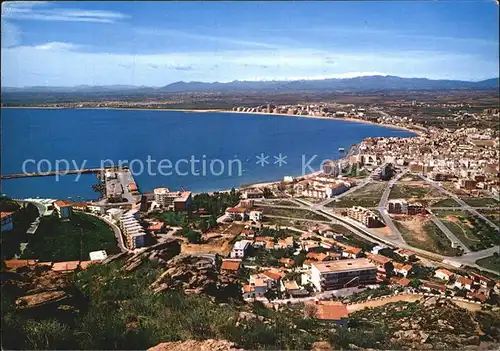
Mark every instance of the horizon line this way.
pixel 247 80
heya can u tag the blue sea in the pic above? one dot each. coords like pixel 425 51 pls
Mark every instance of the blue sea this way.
pixel 196 150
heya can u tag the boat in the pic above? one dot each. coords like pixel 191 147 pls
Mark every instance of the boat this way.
pixel 341 149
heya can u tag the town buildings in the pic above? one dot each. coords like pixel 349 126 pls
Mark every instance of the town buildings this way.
pixel 364 216
pixel 173 200
pixel 401 206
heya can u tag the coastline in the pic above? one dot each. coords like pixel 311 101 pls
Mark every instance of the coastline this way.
pixel 355 120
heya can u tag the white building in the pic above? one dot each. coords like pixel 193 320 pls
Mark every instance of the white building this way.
pixel 443 274
pixel 63 208
pixel 256 215
pixel 98 255
pixel 342 273
pixel 239 248
pixel 132 230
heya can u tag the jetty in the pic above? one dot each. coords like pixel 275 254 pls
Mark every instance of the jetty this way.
pixel 54 173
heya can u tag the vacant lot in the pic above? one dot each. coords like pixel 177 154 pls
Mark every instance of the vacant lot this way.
pixel 367 196
pixel 424 234
pixel 492 262
pixel 291 212
pixel 445 203
pixel 411 178
pixel 493 215
pixel 418 190
pixel 472 231
pixel 285 203
pixel 481 201
pixel 57 240
pixel 217 241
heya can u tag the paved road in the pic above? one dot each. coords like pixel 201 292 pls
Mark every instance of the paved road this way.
pixel 116 231
pixel 460 201
pixel 383 211
pixel 449 234
pixel 319 296
pixel 473 256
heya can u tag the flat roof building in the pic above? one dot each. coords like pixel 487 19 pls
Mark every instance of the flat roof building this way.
pixel 339 274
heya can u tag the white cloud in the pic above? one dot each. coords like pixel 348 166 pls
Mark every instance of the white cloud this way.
pixel 43 11
pixel 206 37
pixel 56 46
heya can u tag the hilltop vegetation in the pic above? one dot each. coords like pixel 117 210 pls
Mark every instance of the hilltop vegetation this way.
pixel 117 305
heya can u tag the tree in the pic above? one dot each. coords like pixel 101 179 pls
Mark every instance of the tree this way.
pixel 194 237
pixel 300 259
pixel 267 193
pixel 212 222
pixel 271 294
pixel 415 283
pixel 203 226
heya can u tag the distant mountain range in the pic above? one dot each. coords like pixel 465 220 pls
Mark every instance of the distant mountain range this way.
pixel 366 83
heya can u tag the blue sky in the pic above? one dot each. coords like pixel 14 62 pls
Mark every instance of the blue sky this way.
pixel 157 43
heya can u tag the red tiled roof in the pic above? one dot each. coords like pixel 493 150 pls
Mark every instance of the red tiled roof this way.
pixel 236 210
pixel 464 281
pixel 274 275
pixel 353 250
pixel 19 263
pixel 230 265
pixel 330 310
pixel 445 272
pixel 400 281
pixel 62 203
pixel 6 214
pixel 435 286
pixel 65 266
pixel 378 259
pixel 400 266
pixel 481 277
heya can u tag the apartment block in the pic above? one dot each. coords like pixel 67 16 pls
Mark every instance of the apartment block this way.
pixel 364 216
pixel 342 273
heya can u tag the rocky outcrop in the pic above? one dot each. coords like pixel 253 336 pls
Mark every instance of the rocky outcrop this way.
pixel 195 275
pixel 161 253
pixel 41 299
pixel 195 345
pixel 433 324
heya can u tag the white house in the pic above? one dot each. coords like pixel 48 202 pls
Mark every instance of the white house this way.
pixel 63 208
pixel 464 283
pixel 443 274
pixel 236 213
pixel 256 215
pixel 239 248
pixel 403 269
pixel 98 255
